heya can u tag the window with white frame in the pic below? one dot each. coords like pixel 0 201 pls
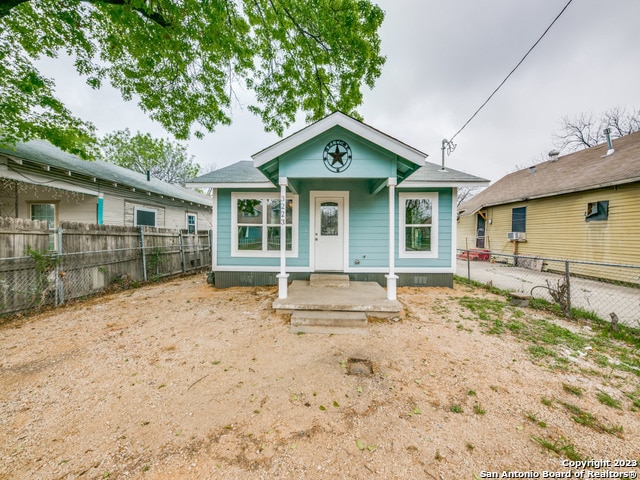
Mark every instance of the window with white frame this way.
pixel 256 224
pixel 418 233
pixel 144 217
pixel 192 223
pixel 45 212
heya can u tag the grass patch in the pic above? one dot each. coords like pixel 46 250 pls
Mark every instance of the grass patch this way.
pixel 587 419
pixel 533 418
pixel 546 402
pixel 635 399
pixel 485 309
pixel 608 400
pixel 478 410
pixel 560 447
pixel 577 391
pixel 455 408
pixel 540 351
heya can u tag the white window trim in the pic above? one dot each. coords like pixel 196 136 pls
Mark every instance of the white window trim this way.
pixel 402 197
pixel 235 196
pixel 53 237
pixel 143 209
pixel 195 224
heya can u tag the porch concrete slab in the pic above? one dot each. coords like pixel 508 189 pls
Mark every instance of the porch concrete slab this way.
pixel 368 297
pixel 329 322
pixel 328 318
pixel 328 280
pixel 328 330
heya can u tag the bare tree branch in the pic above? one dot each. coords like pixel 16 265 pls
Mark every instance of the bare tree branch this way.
pixel 586 131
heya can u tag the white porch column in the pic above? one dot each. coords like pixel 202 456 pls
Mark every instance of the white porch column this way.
pixel 214 232
pixel 392 277
pixel 283 276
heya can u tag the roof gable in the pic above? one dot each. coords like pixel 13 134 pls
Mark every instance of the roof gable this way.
pixel 584 170
pixel 349 123
pixel 408 157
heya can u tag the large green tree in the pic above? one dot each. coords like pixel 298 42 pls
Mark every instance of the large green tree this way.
pixel 184 61
pixel 162 158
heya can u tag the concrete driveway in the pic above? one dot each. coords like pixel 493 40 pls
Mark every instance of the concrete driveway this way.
pixel 599 297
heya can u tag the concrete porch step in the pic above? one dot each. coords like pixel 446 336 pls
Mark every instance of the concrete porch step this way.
pixel 328 280
pixel 329 322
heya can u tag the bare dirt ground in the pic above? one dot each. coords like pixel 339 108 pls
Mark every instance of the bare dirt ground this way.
pixel 180 380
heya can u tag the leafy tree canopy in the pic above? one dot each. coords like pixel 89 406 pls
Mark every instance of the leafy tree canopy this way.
pixel 163 159
pixel 184 61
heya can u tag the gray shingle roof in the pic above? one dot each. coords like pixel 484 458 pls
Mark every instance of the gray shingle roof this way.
pixel 239 172
pixel 245 172
pixel 44 153
pixel 584 170
pixel 432 173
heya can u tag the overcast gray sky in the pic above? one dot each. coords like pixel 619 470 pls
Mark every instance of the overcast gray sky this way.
pixel 444 58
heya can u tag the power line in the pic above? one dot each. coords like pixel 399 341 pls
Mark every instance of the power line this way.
pixel 450 145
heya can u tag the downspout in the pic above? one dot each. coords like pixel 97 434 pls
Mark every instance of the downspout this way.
pixel 283 276
pixel 392 277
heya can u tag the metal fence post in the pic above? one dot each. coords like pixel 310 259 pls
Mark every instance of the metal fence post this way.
pixel 469 265
pixel 568 283
pixel 144 258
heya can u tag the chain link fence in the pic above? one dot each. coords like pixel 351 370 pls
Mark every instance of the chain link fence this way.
pixel 609 291
pixel 46 278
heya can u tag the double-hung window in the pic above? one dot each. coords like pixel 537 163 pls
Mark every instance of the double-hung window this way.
pixel 519 219
pixel 192 223
pixel 45 212
pixel 256 220
pixel 418 233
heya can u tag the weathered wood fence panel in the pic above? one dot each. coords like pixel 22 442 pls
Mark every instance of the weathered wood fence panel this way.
pixel 88 259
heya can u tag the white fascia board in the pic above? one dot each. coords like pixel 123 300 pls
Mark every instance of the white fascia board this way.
pixel 259 185
pixel 43 181
pixel 410 184
pixel 348 123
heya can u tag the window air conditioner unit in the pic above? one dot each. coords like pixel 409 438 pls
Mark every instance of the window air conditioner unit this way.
pixel 517 236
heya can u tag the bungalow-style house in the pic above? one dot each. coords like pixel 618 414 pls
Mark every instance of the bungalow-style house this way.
pixel 41 182
pixel 345 198
pixel 581 206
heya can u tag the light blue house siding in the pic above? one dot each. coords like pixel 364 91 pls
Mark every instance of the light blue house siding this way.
pixel 338 170
pixel 368 162
pixel 368 229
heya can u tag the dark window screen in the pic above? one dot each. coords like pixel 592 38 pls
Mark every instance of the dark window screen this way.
pixel 519 219
pixel 145 218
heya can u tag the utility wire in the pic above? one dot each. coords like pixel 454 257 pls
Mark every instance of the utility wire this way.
pixel 451 146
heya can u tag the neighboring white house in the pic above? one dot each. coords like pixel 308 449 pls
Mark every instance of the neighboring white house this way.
pixel 41 182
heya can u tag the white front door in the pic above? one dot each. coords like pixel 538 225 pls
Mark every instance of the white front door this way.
pixel 329 233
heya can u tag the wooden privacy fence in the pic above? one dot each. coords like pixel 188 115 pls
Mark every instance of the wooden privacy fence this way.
pixel 87 259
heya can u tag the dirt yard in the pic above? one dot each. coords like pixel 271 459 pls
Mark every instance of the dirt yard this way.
pixel 179 380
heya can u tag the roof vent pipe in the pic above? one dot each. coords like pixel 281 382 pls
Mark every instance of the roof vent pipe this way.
pixel 553 155
pixel 148 175
pixel 607 133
